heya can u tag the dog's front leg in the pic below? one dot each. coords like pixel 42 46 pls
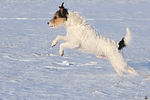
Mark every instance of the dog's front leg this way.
pixel 58 38
pixel 68 45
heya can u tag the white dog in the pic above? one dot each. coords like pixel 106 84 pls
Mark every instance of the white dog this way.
pixel 82 36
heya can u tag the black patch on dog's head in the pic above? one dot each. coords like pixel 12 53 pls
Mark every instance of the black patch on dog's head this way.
pixel 62 12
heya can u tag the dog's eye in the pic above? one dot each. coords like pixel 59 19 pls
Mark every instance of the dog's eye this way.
pixel 55 17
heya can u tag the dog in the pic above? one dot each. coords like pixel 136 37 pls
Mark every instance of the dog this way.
pixel 82 36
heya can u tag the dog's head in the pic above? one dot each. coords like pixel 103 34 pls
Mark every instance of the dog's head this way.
pixel 59 17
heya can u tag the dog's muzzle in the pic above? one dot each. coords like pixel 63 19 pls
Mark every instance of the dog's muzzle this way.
pixel 53 25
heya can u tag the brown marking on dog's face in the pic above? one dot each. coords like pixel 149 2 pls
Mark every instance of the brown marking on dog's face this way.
pixel 59 17
pixel 56 21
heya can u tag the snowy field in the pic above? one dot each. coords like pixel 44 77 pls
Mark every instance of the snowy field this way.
pixel 30 69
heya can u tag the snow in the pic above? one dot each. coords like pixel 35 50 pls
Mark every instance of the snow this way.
pixel 30 69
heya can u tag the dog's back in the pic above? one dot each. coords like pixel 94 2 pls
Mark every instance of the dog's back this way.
pixel 78 29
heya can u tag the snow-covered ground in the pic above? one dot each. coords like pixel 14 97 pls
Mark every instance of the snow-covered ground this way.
pixel 30 69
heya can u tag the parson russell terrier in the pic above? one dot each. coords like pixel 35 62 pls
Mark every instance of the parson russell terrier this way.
pixel 82 36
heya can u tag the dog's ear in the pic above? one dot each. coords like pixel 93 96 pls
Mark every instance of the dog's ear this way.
pixel 63 11
pixel 61 8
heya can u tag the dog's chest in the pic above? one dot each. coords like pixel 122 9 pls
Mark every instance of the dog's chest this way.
pixel 74 33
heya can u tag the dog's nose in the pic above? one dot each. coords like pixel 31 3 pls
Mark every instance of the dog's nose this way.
pixel 47 22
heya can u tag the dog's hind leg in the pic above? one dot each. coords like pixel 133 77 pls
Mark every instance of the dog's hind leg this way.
pixel 131 70
pixel 118 65
pixel 120 72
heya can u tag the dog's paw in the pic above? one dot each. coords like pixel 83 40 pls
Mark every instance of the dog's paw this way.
pixel 54 43
pixel 61 53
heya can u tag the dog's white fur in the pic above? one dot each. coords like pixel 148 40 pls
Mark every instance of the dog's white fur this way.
pixel 82 36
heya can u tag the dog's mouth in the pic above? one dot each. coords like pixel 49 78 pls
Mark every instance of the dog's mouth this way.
pixel 56 25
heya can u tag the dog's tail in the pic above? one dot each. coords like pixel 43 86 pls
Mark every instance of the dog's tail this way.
pixel 125 41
